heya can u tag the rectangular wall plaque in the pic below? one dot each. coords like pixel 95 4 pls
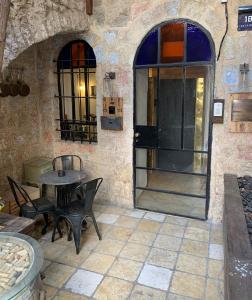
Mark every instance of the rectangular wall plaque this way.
pixel 240 112
pixel 245 18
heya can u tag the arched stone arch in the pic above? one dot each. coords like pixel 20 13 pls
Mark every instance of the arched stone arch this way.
pixel 31 22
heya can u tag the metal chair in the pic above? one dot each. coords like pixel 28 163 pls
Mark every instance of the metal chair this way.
pixel 31 208
pixel 67 162
pixel 78 210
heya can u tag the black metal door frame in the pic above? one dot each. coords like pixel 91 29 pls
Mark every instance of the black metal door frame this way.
pixel 183 65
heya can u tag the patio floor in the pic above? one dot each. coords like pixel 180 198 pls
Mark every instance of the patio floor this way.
pixel 142 255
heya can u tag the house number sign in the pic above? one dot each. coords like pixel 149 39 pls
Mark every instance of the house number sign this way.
pixel 245 18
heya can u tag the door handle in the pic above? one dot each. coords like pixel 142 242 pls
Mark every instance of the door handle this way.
pixel 137 134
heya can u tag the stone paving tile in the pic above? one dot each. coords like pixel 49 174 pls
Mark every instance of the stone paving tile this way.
pixel 114 210
pixel 199 224
pixel 135 251
pixel 64 295
pixel 192 264
pixel 128 222
pixel 107 218
pixel 195 248
pixel 141 292
pixel 45 264
pixel 172 229
pixel 148 225
pixel 216 234
pixel 119 233
pixel 216 251
pixel 134 213
pixel 50 291
pixel 103 228
pixel 155 277
pixel 57 274
pixel 162 258
pixel 176 220
pixel 88 242
pixel 142 237
pixel 188 285
pixel 125 269
pixel 97 262
pixel 178 297
pixel 167 242
pixel 110 247
pixel 69 257
pixel 84 282
pixel 197 234
pixel 155 216
pixel 113 289
pixel 216 269
pixel 52 250
pixel 215 290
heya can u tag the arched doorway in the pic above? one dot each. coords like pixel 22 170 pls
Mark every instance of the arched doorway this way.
pixel 173 71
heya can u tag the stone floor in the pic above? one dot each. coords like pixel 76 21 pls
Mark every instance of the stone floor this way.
pixel 142 255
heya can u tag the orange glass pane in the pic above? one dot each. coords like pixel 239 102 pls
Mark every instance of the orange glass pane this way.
pixel 172 43
pixel 78 54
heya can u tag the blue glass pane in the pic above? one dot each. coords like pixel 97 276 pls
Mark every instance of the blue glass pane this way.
pixel 147 54
pixel 198 45
pixel 90 57
pixel 65 57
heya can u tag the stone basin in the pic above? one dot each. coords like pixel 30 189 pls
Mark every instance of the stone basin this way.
pixel 25 264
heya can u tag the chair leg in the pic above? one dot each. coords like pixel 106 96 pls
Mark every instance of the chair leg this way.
pixel 96 226
pixel 56 226
pixel 76 229
pixel 46 223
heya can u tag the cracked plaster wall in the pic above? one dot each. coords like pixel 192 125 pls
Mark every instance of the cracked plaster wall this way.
pixel 114 31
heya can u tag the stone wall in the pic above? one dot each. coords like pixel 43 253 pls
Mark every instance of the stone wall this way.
pixel 115 31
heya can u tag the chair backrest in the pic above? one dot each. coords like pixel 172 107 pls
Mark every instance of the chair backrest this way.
pixel 86 192
pixel 17 191
pixel 67 162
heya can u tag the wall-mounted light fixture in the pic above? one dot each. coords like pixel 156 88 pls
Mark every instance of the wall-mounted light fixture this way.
pixel 244 69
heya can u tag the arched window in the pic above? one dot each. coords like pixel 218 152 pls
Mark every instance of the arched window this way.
pixel 76 69
pixel 173 71
pixel 174 43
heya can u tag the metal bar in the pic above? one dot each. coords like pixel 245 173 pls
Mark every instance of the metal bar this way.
pixel 170 213
pixel 183 110
pixel 171 192
pixel 171 149
pixel 171 171
pixel 55 72
pixel 70 130
pixel 172 65
pixel 78 122
pixel 76 97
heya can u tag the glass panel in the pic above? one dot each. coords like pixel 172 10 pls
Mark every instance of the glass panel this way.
pixel 147 53
pixel 198 44
pixel 172 160
pixel 146 96
pixel 167 181
pixel 170 107
pixel 168 203
pixel 172 43
pixel 197 105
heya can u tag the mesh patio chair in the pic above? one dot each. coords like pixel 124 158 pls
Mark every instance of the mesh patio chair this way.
pixel 67 162
pixel 31 208
pixel 78 210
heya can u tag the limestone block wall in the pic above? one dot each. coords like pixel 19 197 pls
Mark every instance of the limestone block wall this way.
pixel 115 31
pixel 20 120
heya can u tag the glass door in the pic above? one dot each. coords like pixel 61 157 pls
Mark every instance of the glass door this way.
pixel 171 139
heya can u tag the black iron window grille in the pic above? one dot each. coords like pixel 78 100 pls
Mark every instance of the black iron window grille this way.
pixel 76 73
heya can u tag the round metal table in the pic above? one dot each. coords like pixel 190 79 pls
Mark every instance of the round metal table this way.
pixel 64 184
